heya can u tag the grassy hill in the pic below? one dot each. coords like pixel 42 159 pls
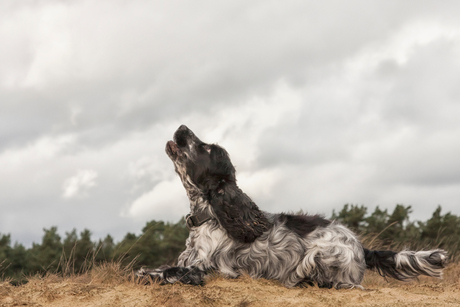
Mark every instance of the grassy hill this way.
pixel 111 285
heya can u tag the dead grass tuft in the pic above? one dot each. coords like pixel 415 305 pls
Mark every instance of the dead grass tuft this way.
pixel 112 273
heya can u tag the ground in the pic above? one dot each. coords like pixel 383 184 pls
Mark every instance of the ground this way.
pixel 110 288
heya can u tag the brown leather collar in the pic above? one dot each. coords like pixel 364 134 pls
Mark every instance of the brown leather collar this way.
pixel 197 219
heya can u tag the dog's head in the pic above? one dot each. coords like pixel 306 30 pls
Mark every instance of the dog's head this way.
pixel 207 173
pixel 199 165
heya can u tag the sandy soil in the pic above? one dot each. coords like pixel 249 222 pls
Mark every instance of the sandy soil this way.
pixel 89 291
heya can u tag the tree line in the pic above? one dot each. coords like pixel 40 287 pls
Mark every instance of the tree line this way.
pixel 161 243
pixel 396 228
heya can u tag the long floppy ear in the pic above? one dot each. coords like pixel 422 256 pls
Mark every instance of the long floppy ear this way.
pixel 238 214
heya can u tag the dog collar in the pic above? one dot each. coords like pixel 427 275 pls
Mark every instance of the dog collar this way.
pixel 197 219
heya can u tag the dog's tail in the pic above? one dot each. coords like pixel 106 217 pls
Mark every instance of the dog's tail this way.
pixel 406 265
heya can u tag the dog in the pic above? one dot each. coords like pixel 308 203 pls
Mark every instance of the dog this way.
pixel 229 234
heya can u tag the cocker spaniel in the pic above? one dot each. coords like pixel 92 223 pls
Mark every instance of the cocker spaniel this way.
pixel 231 235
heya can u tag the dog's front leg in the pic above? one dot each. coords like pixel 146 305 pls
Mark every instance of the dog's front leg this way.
pixel 169 275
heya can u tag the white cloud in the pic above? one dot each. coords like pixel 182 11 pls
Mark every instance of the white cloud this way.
pixel 166 201
pixel 239 127
pixel 79 184
pixel 37 152
pixel 261 185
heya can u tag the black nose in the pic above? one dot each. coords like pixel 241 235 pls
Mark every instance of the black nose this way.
pixel 183 127
pixel 181 135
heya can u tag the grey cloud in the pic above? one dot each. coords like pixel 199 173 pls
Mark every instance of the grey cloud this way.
pixel 164 65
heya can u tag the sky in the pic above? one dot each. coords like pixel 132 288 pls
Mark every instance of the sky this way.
pixel 319 103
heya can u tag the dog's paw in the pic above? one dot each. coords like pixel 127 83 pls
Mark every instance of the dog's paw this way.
pixel 147 276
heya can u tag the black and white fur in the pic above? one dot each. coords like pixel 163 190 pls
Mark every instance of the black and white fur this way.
pixel 294 249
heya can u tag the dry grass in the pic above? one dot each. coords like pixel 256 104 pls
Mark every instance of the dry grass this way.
pixel 110 284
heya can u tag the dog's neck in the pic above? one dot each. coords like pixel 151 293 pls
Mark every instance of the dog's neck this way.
pixel 198 202
pixel 196 197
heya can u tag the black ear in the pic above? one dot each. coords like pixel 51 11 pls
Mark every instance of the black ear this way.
pixel 238 214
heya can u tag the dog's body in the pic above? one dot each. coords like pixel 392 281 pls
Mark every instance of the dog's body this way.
pixel 229 234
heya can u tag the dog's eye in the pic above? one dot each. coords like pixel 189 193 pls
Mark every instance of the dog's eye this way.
pixel 207 148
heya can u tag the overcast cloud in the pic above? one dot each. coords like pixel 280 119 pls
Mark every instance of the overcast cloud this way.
pixel 318 103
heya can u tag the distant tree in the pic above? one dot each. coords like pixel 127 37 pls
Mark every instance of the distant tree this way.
pixel 84 251
pixel 151 244
pixel 377 221
pixel 5 250
pixel 124 249
pixel 18 257
pixel 440 228
pixel 5 241
pixel 351 216
pixel 69 244
pixel 173 242
pixel 46 256
pixel 13 262
pixel 401 228
pixel 105 249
